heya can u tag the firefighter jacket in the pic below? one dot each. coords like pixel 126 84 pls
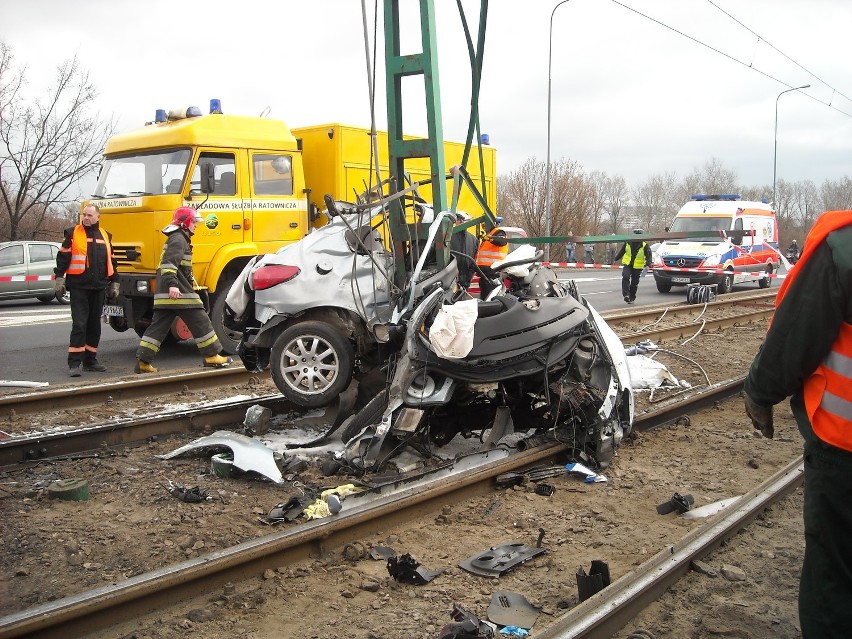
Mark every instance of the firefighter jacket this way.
pixel 175 270
pixel 85 258
pixel 634 254
pixel 807 352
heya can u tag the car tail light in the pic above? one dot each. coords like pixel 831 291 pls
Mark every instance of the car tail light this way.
pixel 269 276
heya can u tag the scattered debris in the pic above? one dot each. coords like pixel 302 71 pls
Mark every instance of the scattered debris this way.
pixel 591 477
pixel 406 570
pixel 678 502
pixel 249 454
pixel 257 419
pixel 192 495
pixel 545 490
pixel 595 581
pixel 499 559
pixel 69 489
pixel 512 609
pixel 289 510
pixel 466 625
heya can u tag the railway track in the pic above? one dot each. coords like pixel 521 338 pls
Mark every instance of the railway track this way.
pixel 105 609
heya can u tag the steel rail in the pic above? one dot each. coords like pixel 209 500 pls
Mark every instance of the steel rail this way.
pixel 606 612
pixel 92 611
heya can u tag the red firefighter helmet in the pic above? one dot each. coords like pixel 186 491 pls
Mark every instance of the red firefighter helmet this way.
pixel 184 215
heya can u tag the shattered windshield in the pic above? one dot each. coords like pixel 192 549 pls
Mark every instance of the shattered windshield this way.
pixel 143 174
pixel 714 224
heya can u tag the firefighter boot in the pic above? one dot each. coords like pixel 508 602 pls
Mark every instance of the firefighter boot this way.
pixel 217 361
pixel 144 367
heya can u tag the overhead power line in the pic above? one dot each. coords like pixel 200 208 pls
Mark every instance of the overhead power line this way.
pixel 733 59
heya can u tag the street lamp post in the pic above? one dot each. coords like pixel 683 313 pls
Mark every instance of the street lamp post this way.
pixel 547 193
pixel 775 154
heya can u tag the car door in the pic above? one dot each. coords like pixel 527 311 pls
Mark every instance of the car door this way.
pixel 13 270
pixel 42 259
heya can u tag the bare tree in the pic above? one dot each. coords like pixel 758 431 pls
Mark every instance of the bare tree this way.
pixel 836 196
pixel 615 200
pixel 48 145
pixel 652 200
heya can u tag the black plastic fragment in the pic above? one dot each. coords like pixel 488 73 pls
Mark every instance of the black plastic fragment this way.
pixel 678 502
pixel 405 569
pixel 595 581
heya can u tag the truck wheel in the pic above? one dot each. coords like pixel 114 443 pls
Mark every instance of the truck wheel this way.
pixel 766 282
pixel 663 287
pixel 312 363
pixel 726 284
pixel 229 338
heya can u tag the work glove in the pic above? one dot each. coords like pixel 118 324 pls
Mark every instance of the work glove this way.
pixel 761 416
pixel 59 286
pixel 112 291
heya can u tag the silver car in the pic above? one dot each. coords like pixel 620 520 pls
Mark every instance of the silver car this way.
pixel 26 271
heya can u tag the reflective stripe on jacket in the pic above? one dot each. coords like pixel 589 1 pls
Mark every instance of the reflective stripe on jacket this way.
pixel 489 253
pixel 828 390
pixel 627 260
pixel 80 251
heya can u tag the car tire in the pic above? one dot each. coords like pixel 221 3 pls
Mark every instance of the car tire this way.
pixel 726 284
pixel 370 414
pixel 663 287
pixel 64 299
pixel 766 282
pixel 312 363
pixel 229 338
pixel 46 299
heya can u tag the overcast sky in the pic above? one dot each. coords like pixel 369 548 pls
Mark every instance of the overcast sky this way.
pixel 632 94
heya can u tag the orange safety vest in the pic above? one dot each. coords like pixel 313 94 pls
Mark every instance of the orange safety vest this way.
pixel 828 390
pixel 489 253
pixel 80 251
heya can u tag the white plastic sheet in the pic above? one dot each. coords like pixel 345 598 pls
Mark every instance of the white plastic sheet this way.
pixel 451 334
pixel 649 373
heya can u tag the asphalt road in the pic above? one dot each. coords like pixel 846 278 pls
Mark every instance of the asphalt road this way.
pixel 34 336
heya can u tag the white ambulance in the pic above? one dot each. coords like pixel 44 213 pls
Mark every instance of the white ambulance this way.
pixel 719 258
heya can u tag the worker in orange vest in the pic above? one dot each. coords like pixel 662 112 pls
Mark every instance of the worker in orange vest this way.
pixel 86 268
pixel 493 247
pixel 807 353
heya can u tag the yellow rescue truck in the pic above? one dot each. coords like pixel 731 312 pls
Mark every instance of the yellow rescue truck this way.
pixel 258 185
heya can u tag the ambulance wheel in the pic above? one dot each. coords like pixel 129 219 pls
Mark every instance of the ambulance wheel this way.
pixel 312 363
pixel 663 287
pixel 726 284
pixel 766 282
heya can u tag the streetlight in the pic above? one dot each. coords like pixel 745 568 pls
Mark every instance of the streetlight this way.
pixel 775 155
pixel 547 194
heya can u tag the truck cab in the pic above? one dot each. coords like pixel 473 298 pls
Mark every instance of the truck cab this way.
pixel 740 245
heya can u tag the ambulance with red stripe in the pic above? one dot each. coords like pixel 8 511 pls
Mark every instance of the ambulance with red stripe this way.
pixel 719 258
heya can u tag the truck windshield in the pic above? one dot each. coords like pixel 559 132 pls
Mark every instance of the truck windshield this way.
pixel 143 174
pixel 702 224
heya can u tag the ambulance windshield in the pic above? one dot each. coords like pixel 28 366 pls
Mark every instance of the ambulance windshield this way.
pixel 702 223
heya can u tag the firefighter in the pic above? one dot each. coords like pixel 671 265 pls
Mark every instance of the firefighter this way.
pixel 86 267
pixel 807 353
pixel 634 256
pixel 176 297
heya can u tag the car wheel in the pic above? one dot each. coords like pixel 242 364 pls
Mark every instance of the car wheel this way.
pixel 312 363
pixel 663 287
pixel 229 338
pixel 726 284
pixel 45 299
pixel 64 299
pixel 766 282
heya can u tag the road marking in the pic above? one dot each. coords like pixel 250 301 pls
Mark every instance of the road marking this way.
pixel 28 318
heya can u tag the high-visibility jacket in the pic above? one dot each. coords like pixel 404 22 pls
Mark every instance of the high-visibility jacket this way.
pixel 80 251
pixel 489 252
pixel 828 390
pixel 628 259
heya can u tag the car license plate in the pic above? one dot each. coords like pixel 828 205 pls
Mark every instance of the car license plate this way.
pixel 113 311
pixel 680 280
